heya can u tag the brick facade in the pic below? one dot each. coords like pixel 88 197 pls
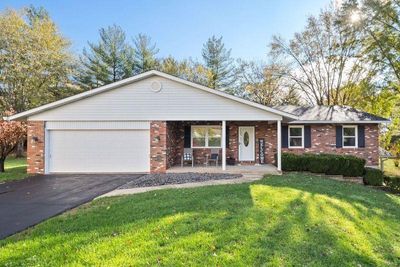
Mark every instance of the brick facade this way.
pixel 175 142
pixel 323 140
pixel 167 143
pixel 263 130
pixel 35 147
pixel 158 146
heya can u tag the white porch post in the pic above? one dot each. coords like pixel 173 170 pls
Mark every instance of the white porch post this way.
pixel 223 144
pixel 279 146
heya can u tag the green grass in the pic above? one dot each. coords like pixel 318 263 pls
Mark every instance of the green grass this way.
pixel 280 221
pixel 390 169
pixel 15 169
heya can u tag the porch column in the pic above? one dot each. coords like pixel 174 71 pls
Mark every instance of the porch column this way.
pixel 279 145
pixel 223 144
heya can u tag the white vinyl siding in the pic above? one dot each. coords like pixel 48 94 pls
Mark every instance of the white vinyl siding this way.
pixel 137 102
pixel 92 125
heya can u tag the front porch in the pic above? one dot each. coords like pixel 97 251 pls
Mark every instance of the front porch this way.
pixel 235 146
pixel 245 170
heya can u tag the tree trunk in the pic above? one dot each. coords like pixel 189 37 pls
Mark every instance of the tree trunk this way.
pixel 19 151
pixel 2 165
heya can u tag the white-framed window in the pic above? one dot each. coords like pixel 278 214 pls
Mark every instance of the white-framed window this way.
pixel 350 136
pixel 206 136
pixel 296 136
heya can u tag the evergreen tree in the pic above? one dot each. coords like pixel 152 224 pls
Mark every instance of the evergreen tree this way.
pixel 218 60
pixel 145 54
pixel 110 60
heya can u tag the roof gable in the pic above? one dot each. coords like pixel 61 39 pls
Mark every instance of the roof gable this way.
pixel 83 97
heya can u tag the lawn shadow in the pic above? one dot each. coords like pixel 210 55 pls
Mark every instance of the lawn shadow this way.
pixel 275 221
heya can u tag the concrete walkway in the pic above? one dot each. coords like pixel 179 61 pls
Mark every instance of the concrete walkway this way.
pixel 246 178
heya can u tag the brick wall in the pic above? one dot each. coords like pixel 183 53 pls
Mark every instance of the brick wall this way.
pixel 167 141
pixel 175 141
pixel 158 146
pixel 35 147
pixel 323 140
pixel 264 130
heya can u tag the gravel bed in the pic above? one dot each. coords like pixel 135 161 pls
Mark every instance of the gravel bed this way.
pixel 176 178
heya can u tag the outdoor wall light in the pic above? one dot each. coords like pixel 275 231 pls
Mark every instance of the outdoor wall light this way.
pixel 35 138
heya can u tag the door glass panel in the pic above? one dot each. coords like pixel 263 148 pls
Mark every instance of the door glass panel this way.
pixel 246 139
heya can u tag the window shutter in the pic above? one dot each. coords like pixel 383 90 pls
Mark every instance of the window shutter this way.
pixel 361 136
pixel 284 136
pixel 339 137
pixel 187 136
pixel 227 137
pixel 307 136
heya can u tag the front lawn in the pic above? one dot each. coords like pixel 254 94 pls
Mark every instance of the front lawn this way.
pixel 282 220
pixel 15 169
pixel 390 169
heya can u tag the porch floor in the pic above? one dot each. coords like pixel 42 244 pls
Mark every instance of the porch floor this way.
pixel 236 169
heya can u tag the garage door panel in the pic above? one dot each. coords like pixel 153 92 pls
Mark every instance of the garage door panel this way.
pixel 91 151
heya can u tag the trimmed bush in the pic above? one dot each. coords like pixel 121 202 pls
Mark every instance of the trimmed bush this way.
pixel 324 163
pixel 393 182
pixel 373 177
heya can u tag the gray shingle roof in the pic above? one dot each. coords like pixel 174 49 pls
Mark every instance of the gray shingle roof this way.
pixel 343 114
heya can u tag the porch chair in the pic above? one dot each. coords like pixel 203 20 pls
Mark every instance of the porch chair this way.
pixel 214 156
pixel 187 156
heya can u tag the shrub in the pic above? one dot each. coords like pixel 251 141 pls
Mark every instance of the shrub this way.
pixel 373 177
pixel 393 182
pixel 292 162
pixel 324 163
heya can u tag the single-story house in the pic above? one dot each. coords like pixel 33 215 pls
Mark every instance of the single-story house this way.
pixel 144 123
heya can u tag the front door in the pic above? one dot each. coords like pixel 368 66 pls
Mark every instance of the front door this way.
pixel 246 143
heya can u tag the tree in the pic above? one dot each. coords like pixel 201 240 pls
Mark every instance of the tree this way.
pixel 378 26
pixel 145 54
pixel 322 59
pixel 261 83
pixel 35 64
pixel 186 69
pixel 110 60
pixel 219 62
pixel 379 22
pixel 11 133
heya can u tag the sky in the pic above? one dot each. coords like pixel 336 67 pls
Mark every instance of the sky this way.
pixel 181 27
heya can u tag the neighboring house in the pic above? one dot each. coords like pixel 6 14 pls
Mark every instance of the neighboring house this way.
pixel 143 124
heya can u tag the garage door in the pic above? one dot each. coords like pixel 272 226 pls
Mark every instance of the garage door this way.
pixel 98 151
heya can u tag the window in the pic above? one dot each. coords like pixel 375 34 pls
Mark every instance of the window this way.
pixel 296 136
pixel 206 136
pixel 349 136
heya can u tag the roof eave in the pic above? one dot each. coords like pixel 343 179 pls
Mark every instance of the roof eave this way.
pixel 65 101
pixel 338 122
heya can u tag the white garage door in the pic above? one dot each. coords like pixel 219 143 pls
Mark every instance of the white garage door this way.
pixel 96 151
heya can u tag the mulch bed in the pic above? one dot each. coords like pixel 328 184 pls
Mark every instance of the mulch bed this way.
pixel 176 178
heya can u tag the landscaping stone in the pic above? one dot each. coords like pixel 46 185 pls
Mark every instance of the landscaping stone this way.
pixel 176 178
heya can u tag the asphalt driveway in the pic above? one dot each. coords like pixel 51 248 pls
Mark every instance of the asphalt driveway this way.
pixel 27 202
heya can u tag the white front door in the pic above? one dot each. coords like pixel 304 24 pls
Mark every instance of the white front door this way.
pixel 246 144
